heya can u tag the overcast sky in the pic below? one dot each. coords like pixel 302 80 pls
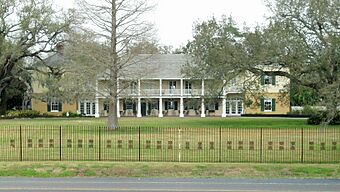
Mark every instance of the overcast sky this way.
pixel 174 18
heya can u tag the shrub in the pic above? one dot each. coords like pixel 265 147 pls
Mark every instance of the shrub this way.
pixel 317 119
pixel 23 114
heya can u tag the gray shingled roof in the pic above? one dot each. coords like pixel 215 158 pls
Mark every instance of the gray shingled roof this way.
pixel 142 66
pixel 55 60
pixel 156 66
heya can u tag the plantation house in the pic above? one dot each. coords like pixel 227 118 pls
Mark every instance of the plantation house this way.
pixel 153 85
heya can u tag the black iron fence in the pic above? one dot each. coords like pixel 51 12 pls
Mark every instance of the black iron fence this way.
pixel 74 143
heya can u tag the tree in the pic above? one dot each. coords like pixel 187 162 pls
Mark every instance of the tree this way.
pixel 28 30
pixel 116 25
pixel 302 36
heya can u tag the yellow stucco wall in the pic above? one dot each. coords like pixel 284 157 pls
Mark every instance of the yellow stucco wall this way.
pixel 282 104
pixel 42 107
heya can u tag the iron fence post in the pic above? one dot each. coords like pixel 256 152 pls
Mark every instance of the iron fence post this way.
pixel 60 144
pixel 261 145
pixel 99 143
pixel 220 146
pixel 302 147
pixel 139 149
pixel 20 135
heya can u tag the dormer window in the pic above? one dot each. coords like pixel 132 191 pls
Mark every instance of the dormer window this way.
pixel 268 80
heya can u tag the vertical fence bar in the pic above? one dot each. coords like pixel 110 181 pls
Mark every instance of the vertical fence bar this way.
pixel 139 146
pixel 60 144
pixel 99 143
pixel 302 147
pixel 220 146
pixel 20 130
pixel 261 145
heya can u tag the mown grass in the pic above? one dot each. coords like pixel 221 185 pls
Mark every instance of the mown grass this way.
pixel 192 122
pixel 183 170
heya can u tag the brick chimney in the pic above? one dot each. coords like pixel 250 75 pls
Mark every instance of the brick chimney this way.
pixel 60 48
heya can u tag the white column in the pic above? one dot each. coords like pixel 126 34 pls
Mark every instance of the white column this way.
pixel 139 108
pixel 181 103
pixel 181 108
pixel 202 104
pixel 139 105
pixel 202 108
pixel 160 108
pixel 224 102
pixel 181 87
pixel 224 108
pixel 118 108
pixel 160 87
pixel 97 115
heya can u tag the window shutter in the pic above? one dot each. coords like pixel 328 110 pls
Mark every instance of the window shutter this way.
pixel 273 80
pixel 166 105
pixel 262 79
pixel 60 106
pixel 48 106
pixel 273 104
pixel 175 103
pixel 216 106
pixel 262 104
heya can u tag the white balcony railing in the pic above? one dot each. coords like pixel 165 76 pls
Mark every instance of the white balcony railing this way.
pixel 171 92
pixel 192 91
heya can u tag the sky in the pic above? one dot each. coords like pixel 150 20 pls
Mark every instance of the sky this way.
pixel 174 19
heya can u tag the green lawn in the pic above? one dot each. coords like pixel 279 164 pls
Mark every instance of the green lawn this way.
pixel 213 122
pixel 160 139
pixel 158 170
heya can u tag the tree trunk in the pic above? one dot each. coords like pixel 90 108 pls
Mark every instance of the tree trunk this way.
pixel 112 122
pixel 3 103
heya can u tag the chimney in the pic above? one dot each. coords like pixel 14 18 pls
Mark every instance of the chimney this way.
pixel 60 48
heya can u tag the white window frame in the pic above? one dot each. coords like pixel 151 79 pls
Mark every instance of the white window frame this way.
pixel 267 80
pixel 54 105
pixel 271 105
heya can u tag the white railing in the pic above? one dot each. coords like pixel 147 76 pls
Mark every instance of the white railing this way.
pixel 192 91
pixel 171 92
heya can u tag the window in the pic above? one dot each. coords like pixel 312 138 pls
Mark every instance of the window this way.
pixel 172 85
pixel 268 80
pixel 93 108
pixel 267 105
pixel 233 107
pixel 213 106
pixel 228 107
pixel 187 87
pixel 106 106
pixel 82 111
pixel 129 106
pixel 239 107
pixel 171 105
pixel 88 108
pixel 133 87
pixel 54 106
pixel 154 106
